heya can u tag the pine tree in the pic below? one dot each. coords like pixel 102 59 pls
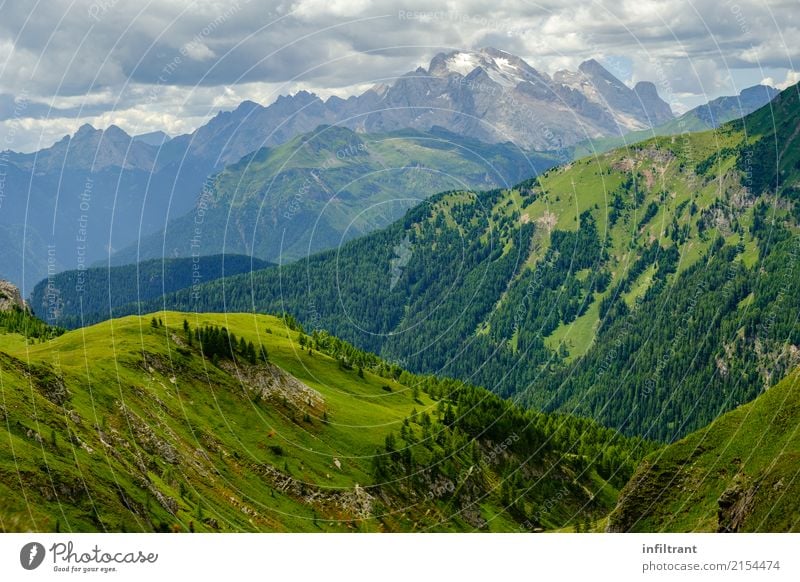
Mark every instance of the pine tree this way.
pixel 390 443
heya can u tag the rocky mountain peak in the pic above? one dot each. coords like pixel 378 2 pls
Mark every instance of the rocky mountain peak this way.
pixel 486 93
pixel 10 297
pixel 85 130
pixel 594 70
pixel 721 109
pixel 117 136
pixel 640 107
pixel 758 93
pixel 438 66
pixel 657 110
pixel 503 68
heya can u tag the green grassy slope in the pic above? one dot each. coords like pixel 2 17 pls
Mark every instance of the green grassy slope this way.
pixel 125 425
pixel 740 473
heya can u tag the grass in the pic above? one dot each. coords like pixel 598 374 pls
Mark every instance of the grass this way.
pixel 186 403
pixel 124 426
pixel 577 336
pixel 640 286
pixel 589 184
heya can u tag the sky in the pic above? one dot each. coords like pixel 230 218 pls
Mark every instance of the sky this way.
pixel 171 65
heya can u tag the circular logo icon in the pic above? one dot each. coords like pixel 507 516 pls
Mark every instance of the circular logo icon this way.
pixel 31 555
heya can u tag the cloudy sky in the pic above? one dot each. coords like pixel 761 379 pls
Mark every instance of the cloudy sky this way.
pixel 171 65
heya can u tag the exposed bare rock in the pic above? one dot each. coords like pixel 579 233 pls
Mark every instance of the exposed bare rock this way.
pixel 50 384
pixel 735 505
pixel 270 381
pixel 32 434
pixel 10 297
pixel 487 94
pixel 356 502
pixel 165 501
pixel 147 439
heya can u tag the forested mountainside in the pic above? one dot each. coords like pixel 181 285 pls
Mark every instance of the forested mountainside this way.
pixel 652 287
pixel 79 298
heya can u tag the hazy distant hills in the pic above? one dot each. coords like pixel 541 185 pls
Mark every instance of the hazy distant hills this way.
pixel 727 108
pixel 328 186
pixel 95 193
pixel 100 191
pixel 74 203
pixel 154 138
pixel 79 298
pixel 707 116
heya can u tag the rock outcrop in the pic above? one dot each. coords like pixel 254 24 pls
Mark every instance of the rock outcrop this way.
pixel 10 297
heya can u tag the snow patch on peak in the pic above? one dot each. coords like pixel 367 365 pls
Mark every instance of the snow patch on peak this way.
pixel 463 63
pixel 504 63
pixel 500 69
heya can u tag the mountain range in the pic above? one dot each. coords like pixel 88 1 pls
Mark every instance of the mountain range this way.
pixel 130 198
pixel 707 116
pixel 86 196
pixel 613 344
pixel 326 187
pixel 486 94
pixel 548 292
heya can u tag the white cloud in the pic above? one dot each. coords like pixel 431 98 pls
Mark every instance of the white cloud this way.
pixel 233 49
pixel 198 51
pixel 792 78
pixel 314 9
